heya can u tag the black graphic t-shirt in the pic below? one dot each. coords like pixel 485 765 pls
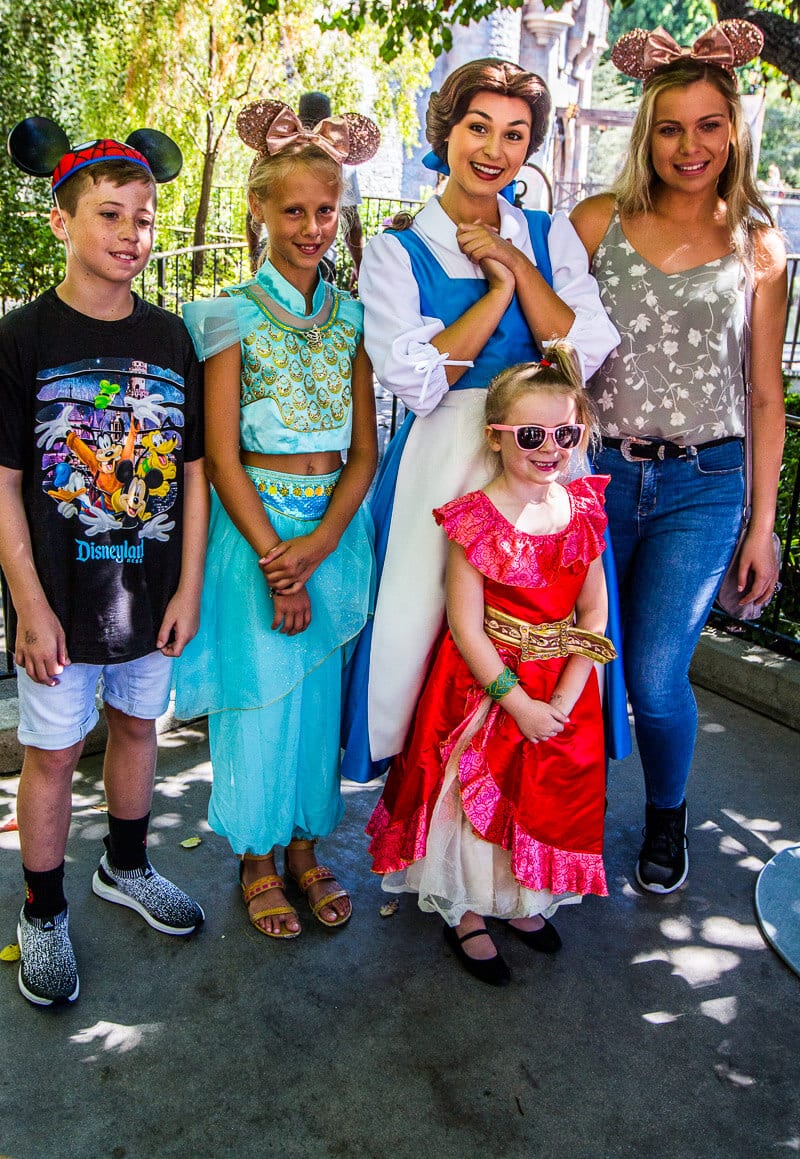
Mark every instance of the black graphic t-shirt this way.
pixel 100 418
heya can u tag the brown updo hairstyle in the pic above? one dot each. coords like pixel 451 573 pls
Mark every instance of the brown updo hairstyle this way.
pixel 451 103
pixel 559 373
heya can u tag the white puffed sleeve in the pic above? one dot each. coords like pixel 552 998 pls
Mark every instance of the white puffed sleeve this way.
pixel 397 336
pixel 592 333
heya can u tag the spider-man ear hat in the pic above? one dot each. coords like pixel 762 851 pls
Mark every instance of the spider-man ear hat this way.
pixel 39 147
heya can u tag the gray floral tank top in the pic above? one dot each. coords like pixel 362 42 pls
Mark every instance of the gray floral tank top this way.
pixel 677 372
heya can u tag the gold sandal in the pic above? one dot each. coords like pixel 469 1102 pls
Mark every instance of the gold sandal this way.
pixel 263 885
pixel 313 876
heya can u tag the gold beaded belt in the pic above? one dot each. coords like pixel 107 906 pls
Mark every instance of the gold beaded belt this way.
pixel 545 641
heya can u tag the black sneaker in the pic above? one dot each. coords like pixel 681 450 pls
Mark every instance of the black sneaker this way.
pixel 48 972
pixel 162 905
pixel 663 859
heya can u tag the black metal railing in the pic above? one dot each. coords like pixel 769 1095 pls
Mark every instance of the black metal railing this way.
pixel 791 344
pixel 779 626
pixel 172 278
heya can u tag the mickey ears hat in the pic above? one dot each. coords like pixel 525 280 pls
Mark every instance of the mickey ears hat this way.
pixel 40 148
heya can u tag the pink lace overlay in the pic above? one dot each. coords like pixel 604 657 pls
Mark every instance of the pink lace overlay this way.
pixel 536 865
pixel 498 550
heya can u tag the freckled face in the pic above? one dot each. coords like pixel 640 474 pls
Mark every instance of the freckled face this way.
pixel 486 147
pixel 691 137
pixel 110 235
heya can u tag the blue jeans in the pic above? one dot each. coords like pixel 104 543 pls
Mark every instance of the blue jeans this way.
pixel 674 526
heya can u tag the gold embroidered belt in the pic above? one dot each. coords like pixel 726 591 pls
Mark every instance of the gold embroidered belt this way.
pixel 545 641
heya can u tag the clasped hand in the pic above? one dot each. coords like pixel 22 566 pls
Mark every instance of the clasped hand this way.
pixel 484 246
pixel 538 720
pixel 289 565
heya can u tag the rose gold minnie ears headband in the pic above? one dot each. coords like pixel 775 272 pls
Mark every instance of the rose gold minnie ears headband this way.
pixel 40 148
pixel 271 127
pixel 728 44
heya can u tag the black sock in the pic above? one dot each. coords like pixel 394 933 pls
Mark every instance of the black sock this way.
pixel 127 842
pixel 44 892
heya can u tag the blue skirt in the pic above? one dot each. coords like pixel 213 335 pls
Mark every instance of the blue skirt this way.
pixel 274 701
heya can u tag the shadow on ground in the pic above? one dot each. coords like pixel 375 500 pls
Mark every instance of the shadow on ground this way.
pixel 664 1029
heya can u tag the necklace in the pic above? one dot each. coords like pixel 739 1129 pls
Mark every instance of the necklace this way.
pixel 309 328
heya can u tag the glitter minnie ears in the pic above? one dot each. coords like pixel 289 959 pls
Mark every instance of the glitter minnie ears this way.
pixel 270 127
pixel 40 148
pixel 728 44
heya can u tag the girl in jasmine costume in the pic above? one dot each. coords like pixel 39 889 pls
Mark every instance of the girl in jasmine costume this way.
pixel 472 287
pixel 288 577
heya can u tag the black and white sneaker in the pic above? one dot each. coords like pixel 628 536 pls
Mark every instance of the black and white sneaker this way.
pixel 162 905
pixel 663 859
pixel 48 972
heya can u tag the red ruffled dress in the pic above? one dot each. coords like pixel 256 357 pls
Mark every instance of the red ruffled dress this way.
pixel 473 816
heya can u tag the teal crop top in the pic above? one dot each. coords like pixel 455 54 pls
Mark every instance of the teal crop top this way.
pixel 296 385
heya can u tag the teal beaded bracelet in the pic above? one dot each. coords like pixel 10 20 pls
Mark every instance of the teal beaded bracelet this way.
pixel 502 684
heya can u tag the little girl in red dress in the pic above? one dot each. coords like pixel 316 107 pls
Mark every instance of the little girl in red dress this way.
pixel 495 806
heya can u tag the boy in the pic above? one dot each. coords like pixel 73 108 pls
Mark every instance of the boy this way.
pixel 103 512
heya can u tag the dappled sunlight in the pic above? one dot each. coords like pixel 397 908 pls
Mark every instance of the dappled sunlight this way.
pixel 166 821
pixel 174 786
pixel 713 727
pixel 792 1144
pixel 697 965
pixel 754 864
pixel 761 828
pixel 724 1071
pixel 181 737
pixel 9 840
pixel 723 931
pixel 114 1037
pixel 731 846
pixel 661 1017
pixel 722 1010
pixel 356 786
pixel 93 831
pixel 676 929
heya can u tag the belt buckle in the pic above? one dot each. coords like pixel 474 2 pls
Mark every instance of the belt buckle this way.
pixel 625 449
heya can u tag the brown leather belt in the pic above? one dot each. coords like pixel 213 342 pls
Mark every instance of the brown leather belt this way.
pixel 546 641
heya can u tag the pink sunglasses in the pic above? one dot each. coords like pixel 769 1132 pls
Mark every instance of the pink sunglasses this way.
pixel 530 438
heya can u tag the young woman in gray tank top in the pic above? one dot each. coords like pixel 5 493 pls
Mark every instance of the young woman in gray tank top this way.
pixel 673 247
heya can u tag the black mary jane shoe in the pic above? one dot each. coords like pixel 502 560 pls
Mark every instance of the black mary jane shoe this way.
pixel 546 940
pixel 493 971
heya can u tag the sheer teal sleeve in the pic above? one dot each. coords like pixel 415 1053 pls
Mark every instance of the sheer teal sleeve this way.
pixel 213 325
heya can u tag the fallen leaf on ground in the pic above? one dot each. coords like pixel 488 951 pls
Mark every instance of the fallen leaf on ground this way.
pixel 101 808
pixel 9 826
pixel 391 908
pixel 191 842
pixel 10 953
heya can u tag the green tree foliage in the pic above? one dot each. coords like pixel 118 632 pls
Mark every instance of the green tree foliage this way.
pixel 432 21
pixel 186 67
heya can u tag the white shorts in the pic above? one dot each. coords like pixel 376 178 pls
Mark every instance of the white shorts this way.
pixel 60 716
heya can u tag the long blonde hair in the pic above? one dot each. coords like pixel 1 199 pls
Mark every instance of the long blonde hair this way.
pixel 636 184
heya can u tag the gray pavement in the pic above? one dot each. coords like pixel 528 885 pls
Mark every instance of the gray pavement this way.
pixel 665 1029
